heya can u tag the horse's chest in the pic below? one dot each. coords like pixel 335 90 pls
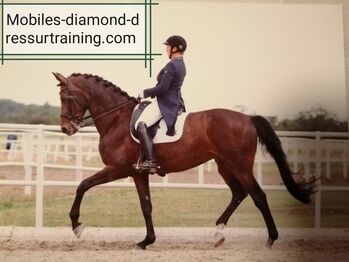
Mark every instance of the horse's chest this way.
pixel 106 150
pixel 115 151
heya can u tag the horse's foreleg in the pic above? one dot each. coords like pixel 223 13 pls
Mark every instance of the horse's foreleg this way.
pixel 106 175
pixel 142 184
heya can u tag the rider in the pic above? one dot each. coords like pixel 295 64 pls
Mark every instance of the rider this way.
pixel 167 102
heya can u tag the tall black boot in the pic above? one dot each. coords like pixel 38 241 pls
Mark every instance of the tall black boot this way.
pixel 149 164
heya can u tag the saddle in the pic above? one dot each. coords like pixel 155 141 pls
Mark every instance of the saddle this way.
pixel 159 129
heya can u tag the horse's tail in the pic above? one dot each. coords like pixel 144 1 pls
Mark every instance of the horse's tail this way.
pixel 267 137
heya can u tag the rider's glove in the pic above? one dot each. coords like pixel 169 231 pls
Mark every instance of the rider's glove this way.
pixel 140 97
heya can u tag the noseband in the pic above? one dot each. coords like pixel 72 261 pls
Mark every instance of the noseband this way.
pixel 74 118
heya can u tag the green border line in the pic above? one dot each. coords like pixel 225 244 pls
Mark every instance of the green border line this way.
pixel 150 37
pixel 140 54
pixel 54 59
pixel 145 33
pixel 139 3
pixel 147 55
pixel 2 32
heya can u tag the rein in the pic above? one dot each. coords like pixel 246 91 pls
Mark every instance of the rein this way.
pixel 103 114
pixel 77 121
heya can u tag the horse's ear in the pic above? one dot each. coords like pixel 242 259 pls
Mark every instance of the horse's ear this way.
pixel 62 80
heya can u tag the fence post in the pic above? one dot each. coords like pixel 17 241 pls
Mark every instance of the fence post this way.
pixel 201 174
pixel 296 156
pixel 327 157
pixel 209 166
pixel 259 162
pixel 78 157
pixel 165 179
pixel 28 158
pixel 40 178
pixel 318 176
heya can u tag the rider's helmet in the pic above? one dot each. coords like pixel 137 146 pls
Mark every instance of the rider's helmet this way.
pixel 176 41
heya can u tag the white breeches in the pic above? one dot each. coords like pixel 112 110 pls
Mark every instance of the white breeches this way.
pixel 150 115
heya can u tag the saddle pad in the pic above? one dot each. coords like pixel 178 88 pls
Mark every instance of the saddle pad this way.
pixel 161 136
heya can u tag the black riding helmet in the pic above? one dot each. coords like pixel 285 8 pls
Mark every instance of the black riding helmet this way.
pixel 176 41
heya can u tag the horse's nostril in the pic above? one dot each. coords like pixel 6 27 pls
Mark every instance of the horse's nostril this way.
pixel 64 130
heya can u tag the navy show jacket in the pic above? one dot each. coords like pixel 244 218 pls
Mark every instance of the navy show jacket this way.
pixel 168 91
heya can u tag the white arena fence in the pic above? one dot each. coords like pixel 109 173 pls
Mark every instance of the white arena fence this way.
pixel 43 147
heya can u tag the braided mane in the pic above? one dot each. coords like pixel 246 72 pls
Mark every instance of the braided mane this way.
pixel 104 82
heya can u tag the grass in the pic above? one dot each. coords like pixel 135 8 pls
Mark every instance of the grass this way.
pixel 172 208
pixel 17 211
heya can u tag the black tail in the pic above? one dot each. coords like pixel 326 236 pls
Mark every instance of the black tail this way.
pixel 267 137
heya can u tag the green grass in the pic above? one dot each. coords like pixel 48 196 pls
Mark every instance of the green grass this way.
pixel 172 208
pixel 17 211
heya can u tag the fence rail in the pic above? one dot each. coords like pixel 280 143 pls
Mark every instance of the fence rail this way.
pixel 42 147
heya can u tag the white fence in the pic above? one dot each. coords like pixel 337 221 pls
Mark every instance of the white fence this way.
pixel 42 147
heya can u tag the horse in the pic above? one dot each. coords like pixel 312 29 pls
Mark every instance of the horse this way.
pixel 228 137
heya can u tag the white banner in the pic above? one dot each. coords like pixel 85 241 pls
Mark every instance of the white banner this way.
pixel 74 29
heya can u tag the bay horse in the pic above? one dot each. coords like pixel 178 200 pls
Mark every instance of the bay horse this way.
pixel 228 137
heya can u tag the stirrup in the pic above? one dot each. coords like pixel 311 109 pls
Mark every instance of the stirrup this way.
pixel 149 166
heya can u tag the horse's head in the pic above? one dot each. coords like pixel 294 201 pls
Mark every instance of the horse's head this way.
pixel 73 105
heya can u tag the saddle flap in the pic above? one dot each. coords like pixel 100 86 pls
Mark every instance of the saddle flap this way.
pixel 136 114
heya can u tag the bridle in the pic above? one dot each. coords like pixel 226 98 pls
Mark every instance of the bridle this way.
pixel 73 117
pixel 77 121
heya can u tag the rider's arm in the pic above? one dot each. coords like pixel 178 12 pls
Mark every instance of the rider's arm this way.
pixel 163 85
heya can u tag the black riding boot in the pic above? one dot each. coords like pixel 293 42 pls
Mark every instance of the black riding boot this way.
pixel 149 164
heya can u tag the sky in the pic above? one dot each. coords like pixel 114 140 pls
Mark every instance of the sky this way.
pixel 272 59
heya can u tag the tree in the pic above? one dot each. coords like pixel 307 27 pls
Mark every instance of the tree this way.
pixel 12 112
pixel 316 119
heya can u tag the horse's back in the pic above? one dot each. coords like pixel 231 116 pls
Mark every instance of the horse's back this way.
pixel 225 128
pixel 225 117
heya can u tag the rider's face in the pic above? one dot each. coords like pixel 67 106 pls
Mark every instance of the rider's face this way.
pixel 168 50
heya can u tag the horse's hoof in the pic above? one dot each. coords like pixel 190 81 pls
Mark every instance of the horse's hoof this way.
pixel 219 238
pixel 140 247
pixel 78 230
pixel 270 243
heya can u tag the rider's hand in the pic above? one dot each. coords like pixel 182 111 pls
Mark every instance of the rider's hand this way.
pixel 140 97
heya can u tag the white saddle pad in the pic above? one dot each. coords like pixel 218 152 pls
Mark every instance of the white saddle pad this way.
pixel 161 136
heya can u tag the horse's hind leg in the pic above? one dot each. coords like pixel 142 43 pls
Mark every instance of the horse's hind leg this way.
pixel 251 186
pixel 238 194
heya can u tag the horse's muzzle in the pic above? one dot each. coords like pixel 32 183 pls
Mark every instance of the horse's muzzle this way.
pixel 67 131
pixel 64 130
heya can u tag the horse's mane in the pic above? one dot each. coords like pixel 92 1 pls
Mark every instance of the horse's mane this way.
pixel 104 83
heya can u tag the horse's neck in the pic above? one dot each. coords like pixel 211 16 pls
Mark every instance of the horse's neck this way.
pixel 108 119
pixel 109 108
